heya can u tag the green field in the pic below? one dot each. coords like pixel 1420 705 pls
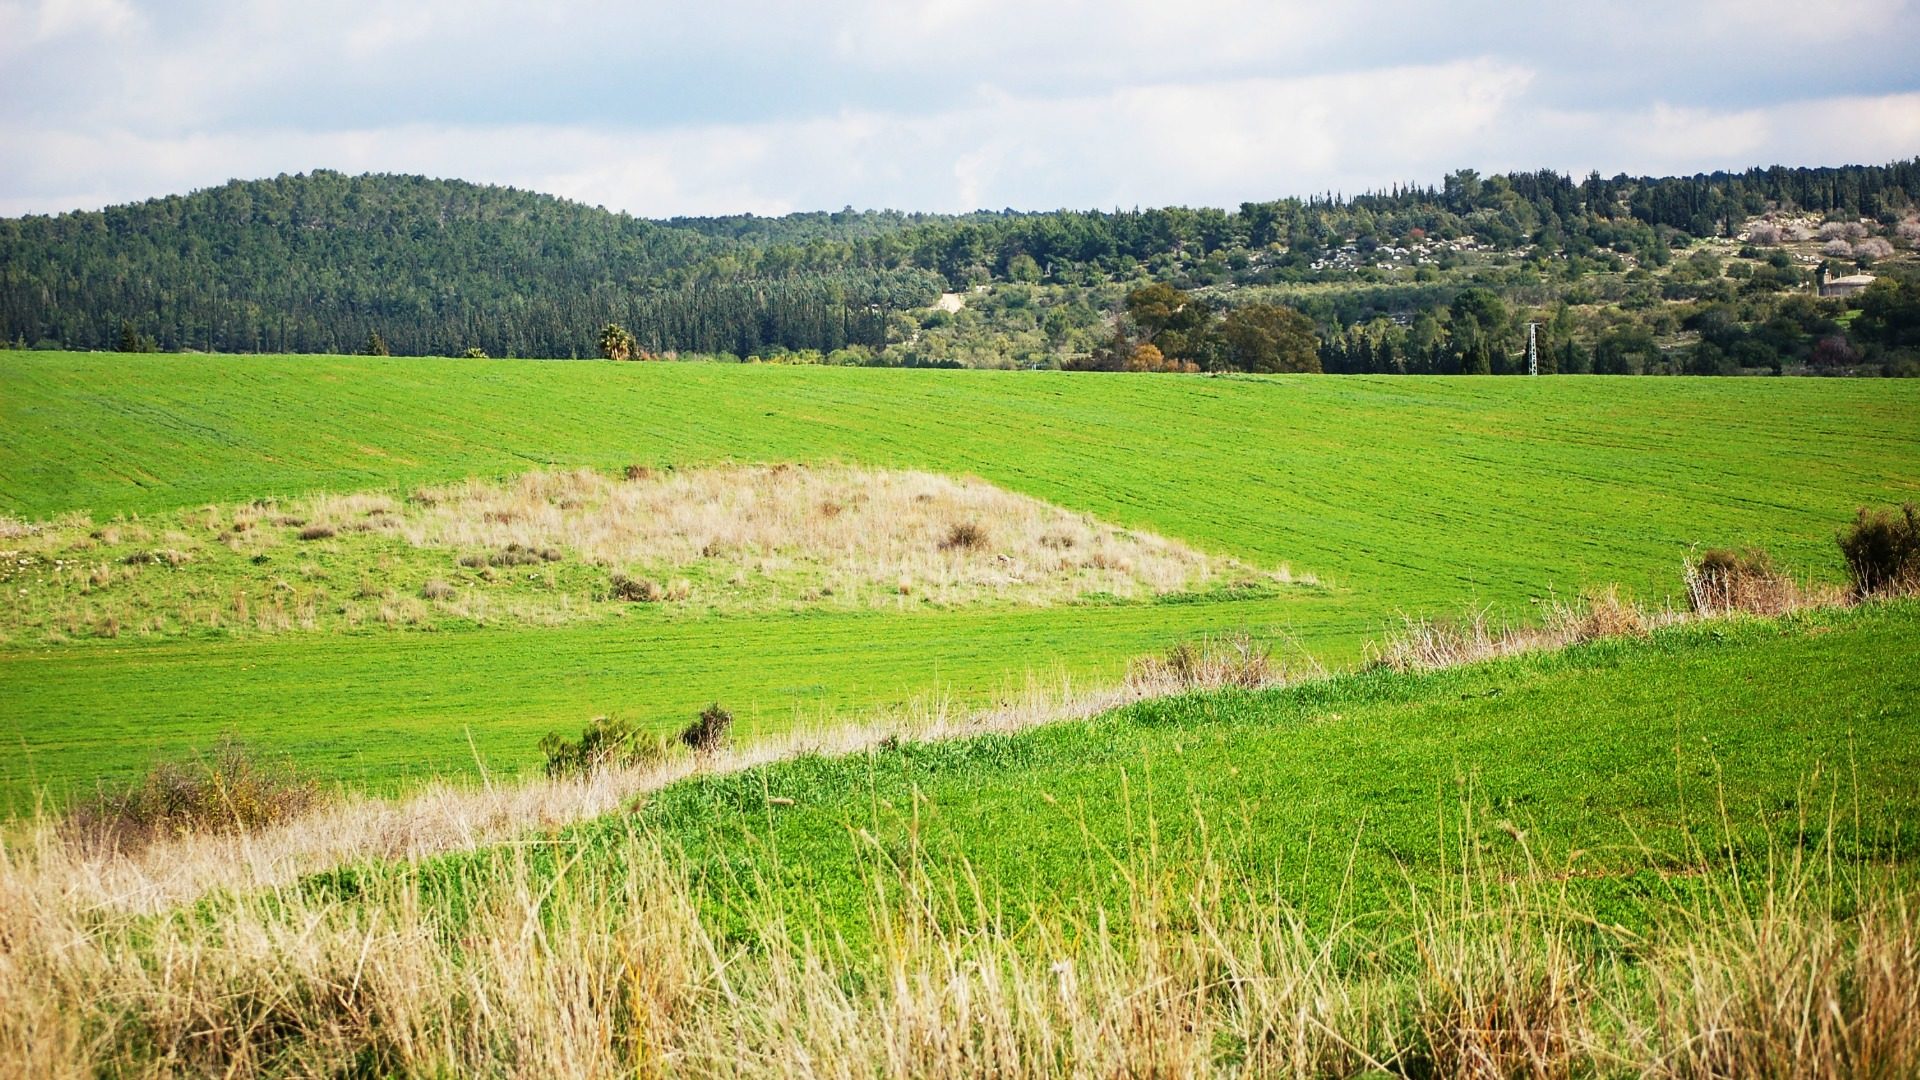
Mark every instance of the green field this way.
pixel 1401 495
pixel 1633 768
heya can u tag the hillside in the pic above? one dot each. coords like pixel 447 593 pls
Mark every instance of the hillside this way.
pixel 1398 496
pixel 1624 274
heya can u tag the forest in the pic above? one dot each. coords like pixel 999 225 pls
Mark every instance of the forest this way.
pixel 1709 274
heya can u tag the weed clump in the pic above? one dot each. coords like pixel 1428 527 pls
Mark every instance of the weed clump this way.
pixel 316 532
pixel 1604 614
pixel 965 536
pixel 436 589
pixel 1722 581
pixel 637 590
pixel 517 554
pixel 228 790
pixel 710 731
pixel 1882 548
pixel 514 554
pixel 1235 660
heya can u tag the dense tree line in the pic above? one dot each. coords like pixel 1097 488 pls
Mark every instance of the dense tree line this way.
pixel 322 262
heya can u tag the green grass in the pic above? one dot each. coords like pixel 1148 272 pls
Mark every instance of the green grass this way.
pixel 1404 495
pixel 1662 763
pixel 380 710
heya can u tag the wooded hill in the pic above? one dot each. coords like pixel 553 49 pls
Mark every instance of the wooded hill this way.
pixel 320 262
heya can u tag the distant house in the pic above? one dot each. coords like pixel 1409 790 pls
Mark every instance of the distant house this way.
pixel 1844 286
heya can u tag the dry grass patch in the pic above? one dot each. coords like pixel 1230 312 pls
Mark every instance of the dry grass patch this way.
pixel 1236 660
pixel 751 536
pixel 1431 643
pixel 553 547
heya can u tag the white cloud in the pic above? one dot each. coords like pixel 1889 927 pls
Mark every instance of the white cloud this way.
pixel 933 104
pixel 1208 143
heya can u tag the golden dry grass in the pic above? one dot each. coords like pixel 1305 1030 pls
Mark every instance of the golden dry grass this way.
pixel 589 976
pixel 864 536
pixel 1430 643
pixel 561 546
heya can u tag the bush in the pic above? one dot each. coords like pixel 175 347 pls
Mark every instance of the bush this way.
pixel 225 791
pixel 1722 581
pixel 637 590
pixel 965 536
pixel 605 742
pixel 1882 550
pixel 710 731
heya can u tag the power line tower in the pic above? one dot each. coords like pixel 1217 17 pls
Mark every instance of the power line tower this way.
pixel 1533 348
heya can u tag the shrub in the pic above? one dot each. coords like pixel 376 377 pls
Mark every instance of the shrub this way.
pixel 965 536
pixel 225 791
pixel 605 742
pixel 1722 581
pixel 710 731
pixel 637 590
pixel 1882 549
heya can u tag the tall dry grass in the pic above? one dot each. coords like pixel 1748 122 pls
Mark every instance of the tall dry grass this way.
pixel 594 974
pixel 1719 584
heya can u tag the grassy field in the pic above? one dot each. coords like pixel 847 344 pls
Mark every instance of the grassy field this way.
pixel 1620 767
pixel 1678 857
pixel 1400 495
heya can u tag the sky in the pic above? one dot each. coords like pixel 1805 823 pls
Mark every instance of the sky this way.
pixel 945 105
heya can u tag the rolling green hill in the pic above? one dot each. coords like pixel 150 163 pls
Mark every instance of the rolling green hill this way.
pixel 1401 495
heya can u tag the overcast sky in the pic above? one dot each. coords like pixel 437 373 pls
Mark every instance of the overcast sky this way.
pixel 720 107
